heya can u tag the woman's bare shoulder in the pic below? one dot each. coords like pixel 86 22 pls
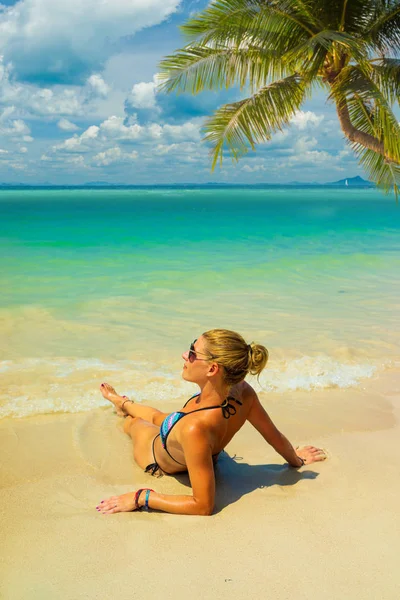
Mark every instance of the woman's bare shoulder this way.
pixel 243 391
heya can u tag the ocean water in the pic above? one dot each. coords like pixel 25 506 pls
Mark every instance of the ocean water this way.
pixel 113 285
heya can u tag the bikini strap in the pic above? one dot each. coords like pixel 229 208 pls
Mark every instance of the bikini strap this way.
pixel 228 409
pixel 191 398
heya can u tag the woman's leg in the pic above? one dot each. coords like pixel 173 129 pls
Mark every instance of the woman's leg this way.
pixel 146 413
pixel 138 424
pixel 142 434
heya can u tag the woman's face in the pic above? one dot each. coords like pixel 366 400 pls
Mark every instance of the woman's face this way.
pixel 197 362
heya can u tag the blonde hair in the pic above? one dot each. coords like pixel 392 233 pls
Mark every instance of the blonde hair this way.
pixel 230 351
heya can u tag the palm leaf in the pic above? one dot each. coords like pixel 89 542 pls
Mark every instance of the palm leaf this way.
pixel 253 120
pixel 365 117
pixel 384 32
pixel 385 174
pixel 386 74
pixel 257 22
pixel 194 69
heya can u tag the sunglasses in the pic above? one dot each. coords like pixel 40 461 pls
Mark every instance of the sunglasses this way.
pixel 192 355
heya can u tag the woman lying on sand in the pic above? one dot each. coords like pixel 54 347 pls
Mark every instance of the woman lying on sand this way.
pixel 191 439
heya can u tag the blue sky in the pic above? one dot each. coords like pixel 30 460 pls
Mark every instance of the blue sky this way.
pixel 78 103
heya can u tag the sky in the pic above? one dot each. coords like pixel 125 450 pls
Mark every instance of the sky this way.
pixel 79 103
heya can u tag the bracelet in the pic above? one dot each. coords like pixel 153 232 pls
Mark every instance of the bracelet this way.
pixel 146 499
pixel 303 462
pixel 137 496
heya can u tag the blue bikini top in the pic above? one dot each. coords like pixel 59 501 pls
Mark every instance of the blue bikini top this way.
pixel 228 409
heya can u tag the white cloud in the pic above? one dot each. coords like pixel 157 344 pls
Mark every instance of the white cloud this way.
pixel 254 168
pixel 143 95
pixel 67 39
pixel 114 128
pixel 55 101
pixel 98 85
pixel 304 144
pixel 303 119
pixel 112 156
pixel 187 131
pixel 66 125
pixel 15 129
pixel 182 148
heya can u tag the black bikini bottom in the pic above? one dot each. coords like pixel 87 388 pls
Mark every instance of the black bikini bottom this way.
pixel 156 471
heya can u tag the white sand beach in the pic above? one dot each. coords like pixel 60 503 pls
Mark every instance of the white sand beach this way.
pixel 329 531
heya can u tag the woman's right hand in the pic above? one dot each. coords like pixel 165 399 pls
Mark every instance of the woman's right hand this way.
pixel 310 454
pixel 116 504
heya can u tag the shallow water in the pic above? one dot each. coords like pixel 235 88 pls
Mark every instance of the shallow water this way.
pixel 115 284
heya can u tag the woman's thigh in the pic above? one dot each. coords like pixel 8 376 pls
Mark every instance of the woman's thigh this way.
pixel 142 433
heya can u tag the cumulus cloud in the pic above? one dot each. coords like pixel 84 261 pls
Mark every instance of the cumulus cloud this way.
pixel 112 156
pixel 54 40
pixel 254 168
pixel 143 95
pixel 113 130
pixel 46 101
pixel 303 119
pixel 98 85
pixel 66 125
pixel 183 148
pixel 15 129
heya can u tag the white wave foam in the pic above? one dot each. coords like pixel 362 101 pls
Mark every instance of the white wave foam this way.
pixel 40 386
pixel 314 373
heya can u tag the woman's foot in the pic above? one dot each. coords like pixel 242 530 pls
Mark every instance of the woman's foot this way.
pixel 110 394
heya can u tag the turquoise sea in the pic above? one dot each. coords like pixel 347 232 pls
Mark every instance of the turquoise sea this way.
pixel 114 285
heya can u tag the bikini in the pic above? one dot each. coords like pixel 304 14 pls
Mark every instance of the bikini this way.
pixel 228 410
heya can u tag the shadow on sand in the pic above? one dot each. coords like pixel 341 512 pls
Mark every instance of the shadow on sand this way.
pixel 235 478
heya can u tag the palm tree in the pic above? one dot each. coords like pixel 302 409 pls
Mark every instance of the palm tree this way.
pixel 281 51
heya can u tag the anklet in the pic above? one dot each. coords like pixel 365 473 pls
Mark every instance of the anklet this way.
pixel 127 400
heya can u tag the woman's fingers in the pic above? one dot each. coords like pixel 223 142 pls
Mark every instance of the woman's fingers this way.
pixel 115 504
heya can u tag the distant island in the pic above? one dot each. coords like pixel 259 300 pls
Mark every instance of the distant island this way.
pixel 349 182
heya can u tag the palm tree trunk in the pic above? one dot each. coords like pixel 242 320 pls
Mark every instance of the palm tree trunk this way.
pixel 359 137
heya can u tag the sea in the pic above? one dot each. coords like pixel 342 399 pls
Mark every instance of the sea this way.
pixel 114 284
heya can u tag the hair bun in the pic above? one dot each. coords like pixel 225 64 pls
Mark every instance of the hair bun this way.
pixel 258 357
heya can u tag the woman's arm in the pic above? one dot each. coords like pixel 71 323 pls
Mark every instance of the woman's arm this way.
pixel 260 419
pixel 198 456
pixel 197 448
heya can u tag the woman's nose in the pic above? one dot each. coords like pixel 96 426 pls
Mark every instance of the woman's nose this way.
pixel 185 355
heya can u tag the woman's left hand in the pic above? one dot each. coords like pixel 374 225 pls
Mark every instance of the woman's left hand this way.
pixel 115 504
pixel 311 454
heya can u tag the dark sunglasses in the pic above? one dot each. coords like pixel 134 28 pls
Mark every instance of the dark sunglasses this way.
pixel 192 355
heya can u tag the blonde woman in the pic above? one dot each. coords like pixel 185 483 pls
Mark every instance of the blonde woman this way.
pixel 192 438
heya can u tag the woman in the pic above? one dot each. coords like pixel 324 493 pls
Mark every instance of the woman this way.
pixel 191 439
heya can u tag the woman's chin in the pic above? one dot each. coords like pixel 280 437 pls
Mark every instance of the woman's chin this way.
pixel 185 375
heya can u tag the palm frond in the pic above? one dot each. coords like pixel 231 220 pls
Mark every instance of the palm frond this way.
pixel 242 124
pixel 194 69
pixel 384 32
pixel 385 174
pixel 257 22
pixel 311 53
pixel 365 117
pixel 385 72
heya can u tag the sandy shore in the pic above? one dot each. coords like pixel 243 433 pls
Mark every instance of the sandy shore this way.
pixel 330 531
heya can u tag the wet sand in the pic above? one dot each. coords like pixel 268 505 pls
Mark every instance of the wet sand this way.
pixel 329 531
